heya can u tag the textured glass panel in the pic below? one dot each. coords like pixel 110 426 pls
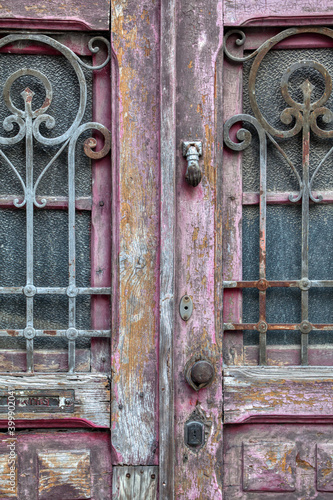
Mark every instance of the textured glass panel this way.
pixel 271 102
pixel 64 106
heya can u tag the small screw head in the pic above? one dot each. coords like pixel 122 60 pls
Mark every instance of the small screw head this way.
pixel 153 476
pixel 120 406
pixel 101 203
pixel 128 475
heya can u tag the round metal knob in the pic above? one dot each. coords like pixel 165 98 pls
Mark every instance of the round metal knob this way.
pixel 202 373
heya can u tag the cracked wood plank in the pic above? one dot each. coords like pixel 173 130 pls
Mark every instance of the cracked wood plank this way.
pixel 92 396
pixel 135 28
pixel 135 483
pixel 277 394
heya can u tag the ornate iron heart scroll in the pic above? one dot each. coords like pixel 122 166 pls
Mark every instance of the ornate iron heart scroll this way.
pixel 29 121
pixel 298 117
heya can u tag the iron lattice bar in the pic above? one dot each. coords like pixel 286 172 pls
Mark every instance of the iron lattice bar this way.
pixel 29 121
pixel 302 118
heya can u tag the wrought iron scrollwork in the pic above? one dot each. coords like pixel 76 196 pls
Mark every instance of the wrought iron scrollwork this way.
pixel 298 117
pixel 29 121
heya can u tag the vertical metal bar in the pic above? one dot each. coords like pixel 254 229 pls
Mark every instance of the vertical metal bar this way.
pixel 27 95
pixel 71 258
pixel 71 356
pixel 307 89
pixel 167 242
pixel 262 252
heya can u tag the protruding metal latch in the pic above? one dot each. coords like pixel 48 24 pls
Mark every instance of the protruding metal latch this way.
pixel 192 151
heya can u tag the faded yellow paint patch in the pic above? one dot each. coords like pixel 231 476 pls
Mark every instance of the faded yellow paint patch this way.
pixel 195 234
pixel 145 16
pixel 190 65
pixel 199 109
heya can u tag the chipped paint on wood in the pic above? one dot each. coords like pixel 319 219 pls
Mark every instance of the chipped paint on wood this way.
pixel 135 27
pixel 92 396
pixel 55 14
pixel 290 461
pixel 198 37
pixel 277 394
pixel 64 474
pixel 135 483
pixel 271 12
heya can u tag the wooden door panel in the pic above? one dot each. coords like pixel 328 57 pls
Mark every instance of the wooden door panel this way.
pixel 271 461
pixel 57 465
pixel 269 393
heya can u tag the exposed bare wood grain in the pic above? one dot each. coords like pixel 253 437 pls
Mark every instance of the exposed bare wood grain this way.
pixel 135 29
pixel 167 299
pixel 135 483
pixel 92 395
pixel 63 465
pixel 277 394
pixel 64 473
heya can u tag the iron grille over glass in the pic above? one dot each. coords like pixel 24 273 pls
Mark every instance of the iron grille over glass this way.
pixel 305 114
pixel 33 125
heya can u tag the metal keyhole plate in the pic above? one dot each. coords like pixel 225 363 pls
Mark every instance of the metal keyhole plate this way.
pixel 186 307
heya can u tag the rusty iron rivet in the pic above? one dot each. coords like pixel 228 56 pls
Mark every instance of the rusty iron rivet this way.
pixel 232 198
pixel 101 203
pixel 304 284
pixel 141 471
pixel 262 326
pixel 128 475
pixel 262 284
pixel 202 373
pixel 153 476
pixel 120 406
pixel 305 326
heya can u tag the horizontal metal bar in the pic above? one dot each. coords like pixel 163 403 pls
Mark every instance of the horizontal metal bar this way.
pixel 275 326
pixel 264 284
pixel 8 290
pixel 282 198
pixel 56 333
pixel 52 202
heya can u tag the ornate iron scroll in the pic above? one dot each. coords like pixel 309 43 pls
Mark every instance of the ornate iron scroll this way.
pixel 29 121
pixel 300 117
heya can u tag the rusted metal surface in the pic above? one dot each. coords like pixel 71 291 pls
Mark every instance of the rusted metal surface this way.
pixel 305 115
pixel 40 401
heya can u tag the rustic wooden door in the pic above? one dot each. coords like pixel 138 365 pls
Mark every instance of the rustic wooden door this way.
pixel 55 211
pixel 277 263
